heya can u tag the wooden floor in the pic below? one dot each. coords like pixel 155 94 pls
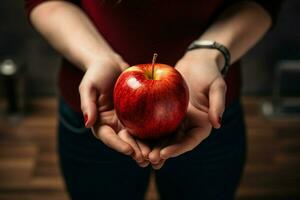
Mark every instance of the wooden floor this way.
pixel 29 171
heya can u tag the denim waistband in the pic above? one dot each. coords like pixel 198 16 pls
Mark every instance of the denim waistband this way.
pixel 77 142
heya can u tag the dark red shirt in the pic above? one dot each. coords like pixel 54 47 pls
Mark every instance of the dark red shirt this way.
pixel 136 29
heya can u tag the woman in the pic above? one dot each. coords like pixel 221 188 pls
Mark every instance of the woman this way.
pixel 99 39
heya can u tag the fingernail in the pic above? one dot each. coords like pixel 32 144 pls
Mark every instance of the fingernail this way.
pixel 155 162
pixel 144 164
pixel 130 152
pixel 145 156
pixel 139 159
pixel 156 167
pixel 85 119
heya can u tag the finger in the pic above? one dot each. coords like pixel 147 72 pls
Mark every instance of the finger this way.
pixel 154 155
pixel 88 99
pixel 145 149
pixel 158 165
pixel 137 154
pixel 124 65
pixel 144 164
pixel 216 102
pixel 200 101
pixel 108 136
pixel 185 144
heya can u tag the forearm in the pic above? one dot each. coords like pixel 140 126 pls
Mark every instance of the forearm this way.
pixel 70 32
pixel 238 28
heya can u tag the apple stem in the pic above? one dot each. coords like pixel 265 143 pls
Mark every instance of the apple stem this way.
pixel 153 63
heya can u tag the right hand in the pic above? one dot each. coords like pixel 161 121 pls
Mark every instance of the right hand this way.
pixel 207 89
pixel 96 95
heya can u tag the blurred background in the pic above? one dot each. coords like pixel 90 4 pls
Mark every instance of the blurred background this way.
pixel 28 70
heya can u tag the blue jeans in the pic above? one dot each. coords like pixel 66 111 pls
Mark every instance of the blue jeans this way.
pixel 93 171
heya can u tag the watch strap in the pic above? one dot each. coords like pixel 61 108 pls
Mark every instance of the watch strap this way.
pixel 207 44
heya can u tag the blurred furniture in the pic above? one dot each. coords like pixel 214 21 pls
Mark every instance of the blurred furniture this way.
pixel 12 78
pixel 286 88
pixel 29 166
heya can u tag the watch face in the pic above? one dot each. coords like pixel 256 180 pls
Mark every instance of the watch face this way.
pixel 204 42
pixel 213 45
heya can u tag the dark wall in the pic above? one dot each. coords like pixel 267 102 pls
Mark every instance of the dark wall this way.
pixel 19 41
pixel 281 43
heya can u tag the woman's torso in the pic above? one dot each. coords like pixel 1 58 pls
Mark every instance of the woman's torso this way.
pixel 136 29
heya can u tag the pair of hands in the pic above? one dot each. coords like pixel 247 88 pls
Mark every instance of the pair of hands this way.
pixel 207 101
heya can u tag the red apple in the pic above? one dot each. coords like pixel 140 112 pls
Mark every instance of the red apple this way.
pixel 151 100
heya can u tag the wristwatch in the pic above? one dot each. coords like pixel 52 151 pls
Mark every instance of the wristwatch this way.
pixel 208 44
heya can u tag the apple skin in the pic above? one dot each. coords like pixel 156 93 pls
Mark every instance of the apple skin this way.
pixel 151 108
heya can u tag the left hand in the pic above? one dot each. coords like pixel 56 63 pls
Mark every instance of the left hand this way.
pixel 96 91
pixel 207 88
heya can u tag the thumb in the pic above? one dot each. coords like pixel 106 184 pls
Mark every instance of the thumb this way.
pixel 88 99
pixel 123 65
pixel 217 94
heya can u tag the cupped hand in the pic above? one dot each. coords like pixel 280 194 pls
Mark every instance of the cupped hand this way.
pixel 96 92
pixel 207 88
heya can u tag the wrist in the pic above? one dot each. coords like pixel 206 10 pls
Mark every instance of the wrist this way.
pixel 209 44
pixel 108 59
pixel 207 55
